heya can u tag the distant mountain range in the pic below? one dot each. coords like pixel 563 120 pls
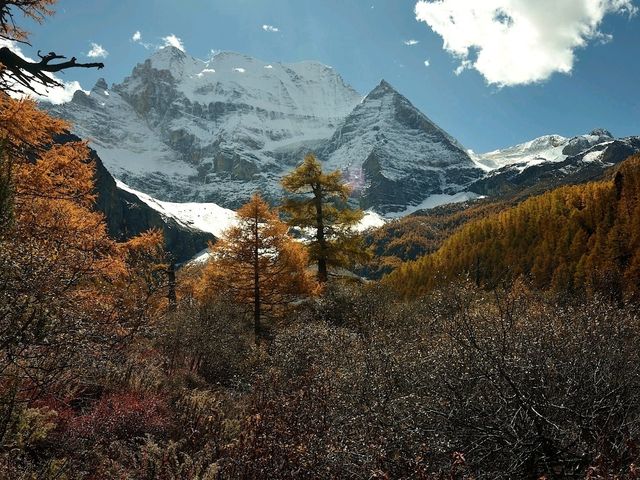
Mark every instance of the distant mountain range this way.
pixel 181 129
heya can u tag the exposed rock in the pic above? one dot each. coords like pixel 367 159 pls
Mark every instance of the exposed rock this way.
pixel 127 216
pixel 394 155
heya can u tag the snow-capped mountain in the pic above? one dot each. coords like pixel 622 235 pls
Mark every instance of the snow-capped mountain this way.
pixel 394 156
pixel 180 129
pixel 183 129
pixel 549 148
pixel 552 160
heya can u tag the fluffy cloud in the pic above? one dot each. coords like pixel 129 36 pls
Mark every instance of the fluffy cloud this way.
pixel 427 63
pixel 97 51
pixel 270 28
pixel 137 36
pixel 517 42
pixel 173 41
pixel 55 95
pixel 411 43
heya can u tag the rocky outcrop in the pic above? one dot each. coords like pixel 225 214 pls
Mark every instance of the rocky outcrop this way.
pixel 127 216
pixel 581 143
pixel 394 156
pixel 182 129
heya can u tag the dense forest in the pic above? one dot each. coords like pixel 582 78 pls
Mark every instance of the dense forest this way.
pixel 507 349
pixel 583 237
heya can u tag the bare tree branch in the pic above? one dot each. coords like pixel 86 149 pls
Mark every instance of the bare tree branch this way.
pixel 15 71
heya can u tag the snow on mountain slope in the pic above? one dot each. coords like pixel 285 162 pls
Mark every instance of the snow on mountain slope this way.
pixel 549 148
pixel 583 158
pixel 184 129
pixel 216 131
pixel 214 219
pixel 206 217
pixel 543 149
pixel 394 156
pixel 434 201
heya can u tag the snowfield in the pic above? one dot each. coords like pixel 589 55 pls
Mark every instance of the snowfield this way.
pixel 206 217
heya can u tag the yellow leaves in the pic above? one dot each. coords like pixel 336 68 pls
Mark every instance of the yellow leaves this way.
pixel 149 243
pixel 256 257
pixel 61 172
pixel 309 177
pixel 57 248
pixel 35 10
pixel 565 239
pixel 324 212
pixel 23 125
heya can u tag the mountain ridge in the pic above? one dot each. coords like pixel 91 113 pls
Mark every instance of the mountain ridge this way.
pixel 184 129
pixel 181 129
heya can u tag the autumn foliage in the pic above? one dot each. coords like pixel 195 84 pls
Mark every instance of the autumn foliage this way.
pixel 317 204
pixel 570 239
pixel 114 366
pixel 70 296
pixel 257 263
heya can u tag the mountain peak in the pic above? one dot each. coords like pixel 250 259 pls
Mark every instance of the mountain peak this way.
pixel 167 57
pixel 383 88
pixel 601 132
pixel 394 156
pixel 101 85
pixel 169 50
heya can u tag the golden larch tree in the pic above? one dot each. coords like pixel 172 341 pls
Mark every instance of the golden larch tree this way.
pixel 258 263
pixel 69 294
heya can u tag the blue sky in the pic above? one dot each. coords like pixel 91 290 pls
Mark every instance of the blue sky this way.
pixel 365 41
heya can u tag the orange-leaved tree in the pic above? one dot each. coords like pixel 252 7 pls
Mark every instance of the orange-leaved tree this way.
pixel 70 296
pixel 258 263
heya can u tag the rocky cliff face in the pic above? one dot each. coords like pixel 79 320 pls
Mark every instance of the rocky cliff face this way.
pixel 183 129
pixel 127 216
pixel 186 130
pixel 394 155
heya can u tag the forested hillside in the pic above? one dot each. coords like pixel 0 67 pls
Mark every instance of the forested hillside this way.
pixel 572 238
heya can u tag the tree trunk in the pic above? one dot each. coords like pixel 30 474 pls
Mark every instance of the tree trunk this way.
pixel 256 283
pixel 171 294
pixel 323 274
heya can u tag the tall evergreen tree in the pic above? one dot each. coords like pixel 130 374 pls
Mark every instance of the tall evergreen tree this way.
pixel 257 262
pixel 319 204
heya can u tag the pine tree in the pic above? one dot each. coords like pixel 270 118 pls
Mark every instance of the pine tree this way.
pixel 257 263
pixel 318 206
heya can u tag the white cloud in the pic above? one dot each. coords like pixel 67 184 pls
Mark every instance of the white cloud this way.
pixel 517 42
pixel 97 51
pixel 239 70
pixel 62 94
pixel 411 43
pixel 427 63
pixel 55 95
pixel 270 28
pixel 137 38
pixel 268 67
pixel 206 71
pixel 173 41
